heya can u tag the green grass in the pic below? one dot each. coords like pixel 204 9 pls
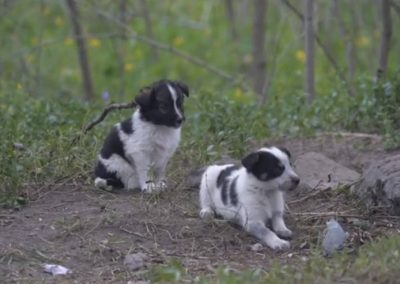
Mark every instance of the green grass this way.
pixel 373 263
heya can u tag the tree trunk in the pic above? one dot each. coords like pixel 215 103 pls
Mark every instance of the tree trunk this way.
pixel 230 13
pixel 147 20
pixel 385 39
pixel 81 47
pixel 347 36
pixel 309 49
pixel 258 38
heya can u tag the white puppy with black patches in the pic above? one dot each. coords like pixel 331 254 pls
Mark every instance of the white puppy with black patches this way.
pixel 252 195
pixel 147 139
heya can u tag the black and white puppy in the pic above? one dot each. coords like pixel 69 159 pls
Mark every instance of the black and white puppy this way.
pixel 147 139
pixel 252 194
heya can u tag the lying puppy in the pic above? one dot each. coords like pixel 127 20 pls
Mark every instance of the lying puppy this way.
pixel 148 138
pixel 251 195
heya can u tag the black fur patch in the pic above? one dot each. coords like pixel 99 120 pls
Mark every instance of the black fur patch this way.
pixel 158 105
pixel 127 126
pixel 232 192
pixel 113 145
pixel 222 181
pixel 111 177
pixel 267 166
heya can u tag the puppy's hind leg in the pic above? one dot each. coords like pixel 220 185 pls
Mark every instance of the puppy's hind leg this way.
pixel 264 234
pixel 206 211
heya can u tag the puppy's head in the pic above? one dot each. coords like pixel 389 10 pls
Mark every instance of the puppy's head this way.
pixel 162 102
pixel 272 165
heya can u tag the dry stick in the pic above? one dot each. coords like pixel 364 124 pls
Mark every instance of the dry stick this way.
pixel 168 48
pixel 106 111
pixel 324 48
pixel 101 118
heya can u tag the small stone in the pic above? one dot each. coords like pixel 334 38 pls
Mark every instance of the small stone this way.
pixel 135 261
pixel 256 247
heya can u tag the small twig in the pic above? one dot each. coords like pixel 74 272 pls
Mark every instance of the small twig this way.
pixel 102 116
pixel 332 213
pixel 106 111
pixel 132 233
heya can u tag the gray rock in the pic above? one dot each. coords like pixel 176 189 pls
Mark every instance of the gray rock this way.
pixel 319 172
pixel 380 184
pixel 135 261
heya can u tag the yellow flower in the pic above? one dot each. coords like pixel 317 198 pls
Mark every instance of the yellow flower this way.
pixel 128 67
pixel 19 86
pixel 300 55
pixel 46 11
pixel 238 94
pixel 34 41
pixel 178 41
pixel 68 41
pixel 138 54
pixel 94 42
pixel 247 58
pixel 59 22
pixel 30 58
pixel 362 41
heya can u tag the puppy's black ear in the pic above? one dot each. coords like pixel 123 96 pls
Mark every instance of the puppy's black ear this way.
pixel 183 87
pixel 286 151
pixel 144 97
pixel 250 160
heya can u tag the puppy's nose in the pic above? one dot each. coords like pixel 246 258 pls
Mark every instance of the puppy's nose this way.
pixel 295 180
pixel 179 120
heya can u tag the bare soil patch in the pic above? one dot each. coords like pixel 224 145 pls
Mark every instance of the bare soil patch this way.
pixel 91 231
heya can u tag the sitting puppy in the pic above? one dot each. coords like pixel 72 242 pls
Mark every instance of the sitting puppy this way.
pixel 251 195
pixel 148 138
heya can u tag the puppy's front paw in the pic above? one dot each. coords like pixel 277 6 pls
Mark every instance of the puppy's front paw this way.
pixel 161 185
pixel 284 233
pixel 277 244
pixel 149 187
pixel 206 213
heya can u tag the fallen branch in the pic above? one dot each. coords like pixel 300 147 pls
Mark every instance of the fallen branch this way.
pixel 105 113
pixel 102 116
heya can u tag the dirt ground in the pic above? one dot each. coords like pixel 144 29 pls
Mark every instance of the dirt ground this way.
pixel 91 231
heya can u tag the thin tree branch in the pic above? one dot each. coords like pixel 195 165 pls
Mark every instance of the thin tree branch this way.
pixel 323 47
pixel 396 7
pixel 105 113
pixel 195 60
